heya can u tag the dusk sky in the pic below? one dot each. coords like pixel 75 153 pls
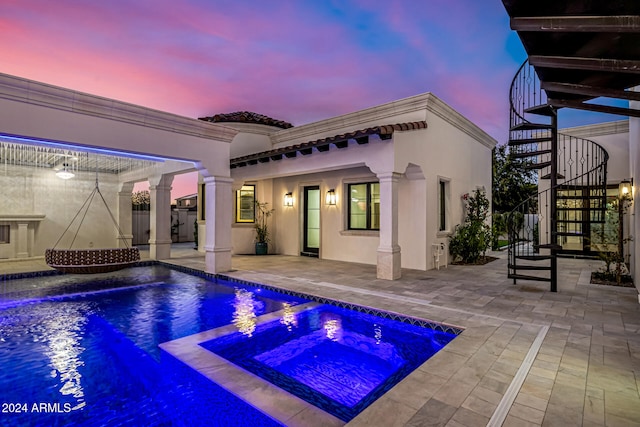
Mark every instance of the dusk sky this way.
pixel 293 60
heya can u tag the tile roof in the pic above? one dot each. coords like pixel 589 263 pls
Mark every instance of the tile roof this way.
pixel 247 117
pixel 340 141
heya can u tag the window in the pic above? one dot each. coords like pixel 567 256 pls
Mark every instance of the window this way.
pixel 4 234
pixel 364 206
pixel 443 189
pixel 245 204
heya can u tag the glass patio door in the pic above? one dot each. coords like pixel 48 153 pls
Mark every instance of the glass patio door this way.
pixel 311 233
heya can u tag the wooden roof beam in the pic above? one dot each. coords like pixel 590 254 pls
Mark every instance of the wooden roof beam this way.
pixel 578 89
pixel 589 64
pixel 592 24
pixel 594 107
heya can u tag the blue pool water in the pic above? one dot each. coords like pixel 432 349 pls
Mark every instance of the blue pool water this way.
pixel 337 359
pixel 92 359
pixel 84 351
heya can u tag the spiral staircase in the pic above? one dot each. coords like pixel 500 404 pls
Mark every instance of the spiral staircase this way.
pixel 572 184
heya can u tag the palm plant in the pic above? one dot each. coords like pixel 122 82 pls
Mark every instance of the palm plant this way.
pixel 262 214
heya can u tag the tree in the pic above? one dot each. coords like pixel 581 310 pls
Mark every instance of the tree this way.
pixel 512 182
pixel 609 240
pixel 141 200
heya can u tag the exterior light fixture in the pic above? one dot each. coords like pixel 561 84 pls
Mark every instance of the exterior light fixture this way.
pixel 625 194
pixel 625 189
pixel 331 197
pixel 288 199
pixel 65 173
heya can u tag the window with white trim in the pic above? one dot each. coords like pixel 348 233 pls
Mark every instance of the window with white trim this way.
pixel 246 204
pixel 443 205
pixel 364 206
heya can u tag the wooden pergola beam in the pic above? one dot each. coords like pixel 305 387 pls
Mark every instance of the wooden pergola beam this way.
pixel 594 24
pixel 587 64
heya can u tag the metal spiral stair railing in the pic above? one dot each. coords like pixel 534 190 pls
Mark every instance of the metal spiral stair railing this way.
pixel 572 183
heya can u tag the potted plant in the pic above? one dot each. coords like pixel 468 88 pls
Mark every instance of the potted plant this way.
pixel 262 231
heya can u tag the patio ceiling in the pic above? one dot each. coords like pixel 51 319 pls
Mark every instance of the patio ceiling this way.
pixel 49 157
pixel 582 49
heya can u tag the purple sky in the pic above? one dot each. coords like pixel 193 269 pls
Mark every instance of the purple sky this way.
pixel 294 60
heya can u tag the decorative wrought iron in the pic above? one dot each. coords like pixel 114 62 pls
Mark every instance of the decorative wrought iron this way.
pixel 572 180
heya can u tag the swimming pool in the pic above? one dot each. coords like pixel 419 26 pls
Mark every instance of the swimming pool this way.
pixel 92 358
pixel 85 352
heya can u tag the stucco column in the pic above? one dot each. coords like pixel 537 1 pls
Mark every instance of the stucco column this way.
pixel 218 210
pixel 201 216
pixel 160 218
pixel 124 214
pixel 388 250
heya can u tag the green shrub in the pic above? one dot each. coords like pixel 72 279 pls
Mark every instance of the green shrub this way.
pixel 471 239
pixel 498 229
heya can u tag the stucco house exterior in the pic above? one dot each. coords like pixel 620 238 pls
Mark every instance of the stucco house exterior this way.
pixel 378 186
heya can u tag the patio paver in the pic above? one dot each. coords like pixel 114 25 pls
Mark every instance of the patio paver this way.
pixel 585 372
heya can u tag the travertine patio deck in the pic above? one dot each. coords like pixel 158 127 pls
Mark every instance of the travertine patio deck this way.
pixel 527 357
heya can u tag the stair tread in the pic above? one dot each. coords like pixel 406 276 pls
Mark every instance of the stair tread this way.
pixel 541 110
pixel 527 277
pixel 531 126
pixel 541 165
pixel 548 176
pixel 529 267
pixel 525 141
pixel 550 246
pixel 530 154
pixel 534 257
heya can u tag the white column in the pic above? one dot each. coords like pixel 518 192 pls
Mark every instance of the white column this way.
pixel 388 250
pixel 160 219
pixel 218 211
pixel 125 215
pixel 201 219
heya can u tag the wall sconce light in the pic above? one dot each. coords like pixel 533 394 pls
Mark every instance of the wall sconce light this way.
pixel 64 173
pixel 625 189
pixel 331 197
pixel 288 199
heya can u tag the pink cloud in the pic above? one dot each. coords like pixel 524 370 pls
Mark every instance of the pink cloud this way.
pixel 290 60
